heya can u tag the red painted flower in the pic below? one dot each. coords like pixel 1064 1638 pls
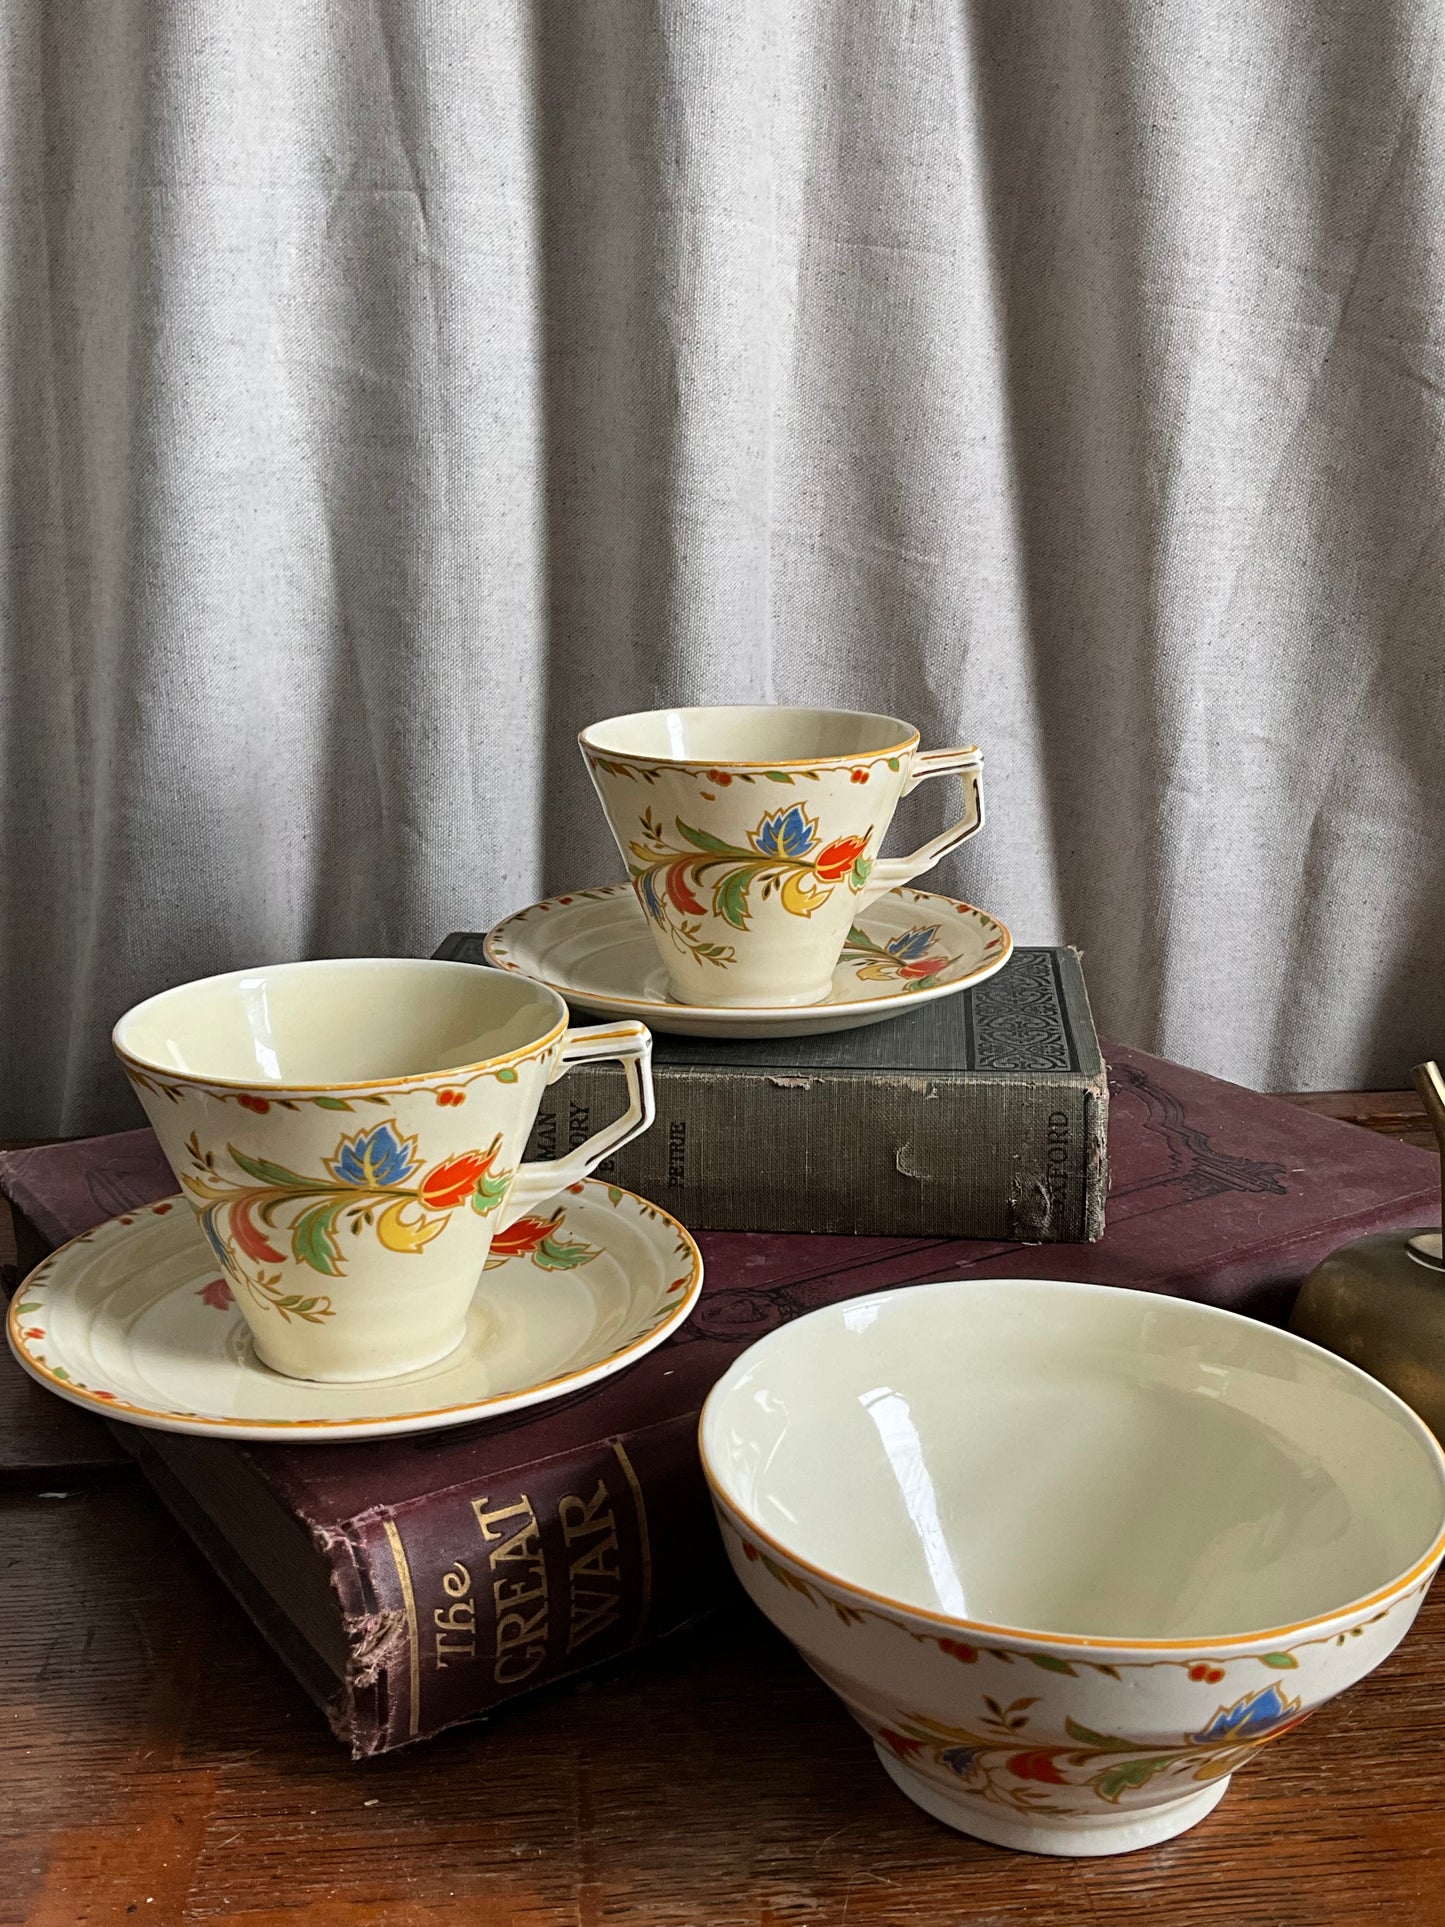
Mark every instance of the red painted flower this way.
pixel 838 858
pixel 904 1747
pixel 750 1553
pixel 958 1650
pixel 718 776
pixel 217 1294
pixel 859 775
pixel 160 1209
pixel 521 1239
pixel 97 1393
pixel 1202 1670
pixel 1038 1765
pixel 33 1332
pixel 450 1097
pixel 249 1235
pixel 454 1181
pixel 260 1105
pixel 923 967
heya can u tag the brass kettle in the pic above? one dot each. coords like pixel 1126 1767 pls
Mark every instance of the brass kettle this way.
pixel 1380 1302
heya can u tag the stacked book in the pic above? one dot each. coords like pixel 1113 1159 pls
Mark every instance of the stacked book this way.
pixel 414 1582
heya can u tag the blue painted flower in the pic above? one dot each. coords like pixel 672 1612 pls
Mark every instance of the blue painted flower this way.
pixel 913 943
pixel 213 1239
pixel 958 1759
pixel 374 1159
pixel 790 832
pixel 645 882
pixel 1249 1718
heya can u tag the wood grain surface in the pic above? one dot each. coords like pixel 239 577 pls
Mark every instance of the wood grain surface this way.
pixel 159 1767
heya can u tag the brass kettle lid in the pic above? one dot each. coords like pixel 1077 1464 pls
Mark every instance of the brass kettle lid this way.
pixel 1426 1247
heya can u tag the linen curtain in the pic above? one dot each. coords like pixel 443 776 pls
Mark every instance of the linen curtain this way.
pixel 391 387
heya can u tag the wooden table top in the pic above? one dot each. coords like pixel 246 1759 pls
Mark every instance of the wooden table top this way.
pixel 161 1768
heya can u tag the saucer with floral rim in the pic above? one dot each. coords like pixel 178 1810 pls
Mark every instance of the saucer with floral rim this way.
pixel 907 948
pixel 132 1322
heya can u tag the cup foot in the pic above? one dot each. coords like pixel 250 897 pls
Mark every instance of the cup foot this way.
pixel 368 1376
pixel 758 1000
pixel 1070 1834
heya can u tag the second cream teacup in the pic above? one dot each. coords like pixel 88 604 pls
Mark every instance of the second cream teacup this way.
pixel 751 835
pixel 350 1135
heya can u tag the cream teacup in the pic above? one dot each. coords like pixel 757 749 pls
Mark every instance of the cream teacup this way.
pixel 350 1134
pixel 752 834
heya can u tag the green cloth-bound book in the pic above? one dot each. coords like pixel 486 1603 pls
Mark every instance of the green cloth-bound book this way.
pixel 979 1116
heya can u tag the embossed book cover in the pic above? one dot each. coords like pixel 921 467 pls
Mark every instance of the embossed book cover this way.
pixel 982 1115
pixel 421 1581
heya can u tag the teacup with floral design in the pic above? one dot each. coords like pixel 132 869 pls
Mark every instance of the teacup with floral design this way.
pixel 350 1134
pixel 752 836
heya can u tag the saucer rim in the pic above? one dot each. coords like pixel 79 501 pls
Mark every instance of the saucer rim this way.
pixel 898 1002
pixel 381 1425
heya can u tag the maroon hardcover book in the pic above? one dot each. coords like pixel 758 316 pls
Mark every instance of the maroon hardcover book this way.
pixel 417 1582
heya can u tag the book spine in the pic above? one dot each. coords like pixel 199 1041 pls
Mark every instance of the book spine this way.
pixel 465 1599
pixel 1013 1158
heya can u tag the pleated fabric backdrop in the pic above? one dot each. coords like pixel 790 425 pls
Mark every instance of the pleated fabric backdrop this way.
pixel 389 389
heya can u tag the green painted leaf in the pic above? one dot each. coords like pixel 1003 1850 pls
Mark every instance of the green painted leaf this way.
pixel 730 898
pixel 860 873
pixel 265 1172
pixel 332 1103
pixel 614 1193
pixel 892 762
pixel 1103 1742
pixel 32 1305
pixel 490 1192
pixel 1115 1780
pixel 705 840
pixel 563 1254
pixel 313 1240
pixel 59 1371
pixel 1284 1661
pixel 1052 1665
pixel 506 1076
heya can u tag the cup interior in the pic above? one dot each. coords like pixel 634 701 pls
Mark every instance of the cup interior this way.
pixel 358 1020
pixel 747 735
pixel 1074 1459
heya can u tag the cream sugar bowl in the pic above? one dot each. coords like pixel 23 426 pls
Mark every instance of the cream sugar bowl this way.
pixel 350 1134
pixel 752 837
pixel 1071 1555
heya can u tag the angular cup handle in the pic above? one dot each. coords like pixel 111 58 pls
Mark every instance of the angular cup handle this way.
pixel 629 1044
pixel 967 764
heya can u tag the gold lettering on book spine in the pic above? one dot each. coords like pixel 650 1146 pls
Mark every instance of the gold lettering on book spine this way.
pixel 515 1546
pixel 456 1625
pixel 594 1576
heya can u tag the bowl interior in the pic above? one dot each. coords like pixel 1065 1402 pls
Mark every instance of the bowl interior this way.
pixel 747 734
pixel 1068 1458
pixel 353 1021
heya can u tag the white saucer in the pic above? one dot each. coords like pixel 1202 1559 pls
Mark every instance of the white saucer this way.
pixel 132 1321
pixel 907 948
